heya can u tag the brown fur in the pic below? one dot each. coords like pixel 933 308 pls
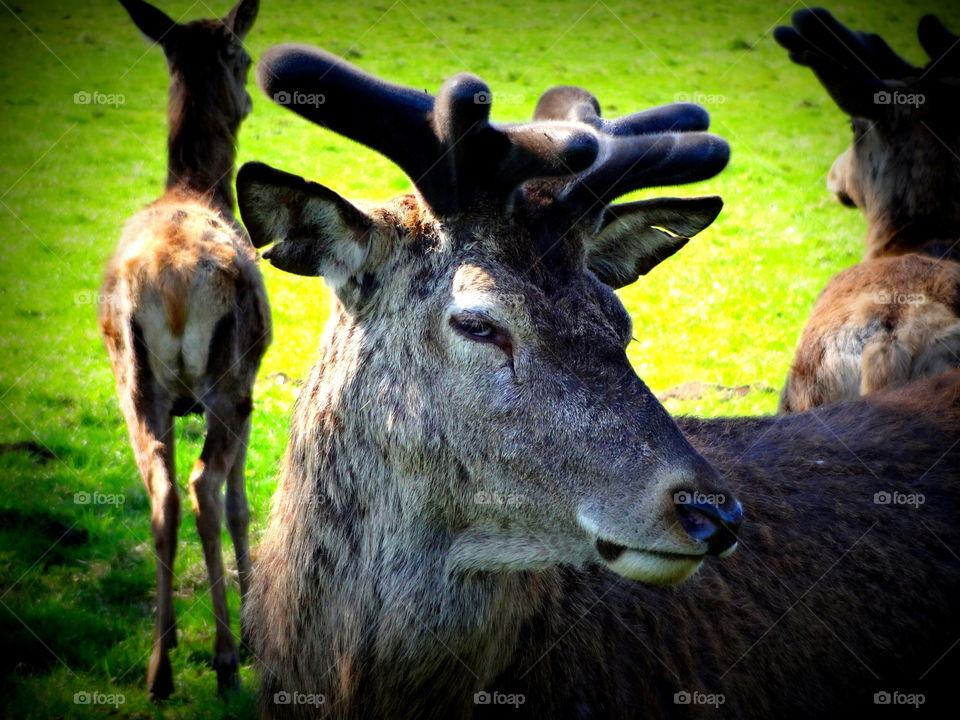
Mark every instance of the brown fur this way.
pixel 476 478
pixel 880 323
pixel 899 171
pixel 378 592
pixel 354 600
pixel 185 319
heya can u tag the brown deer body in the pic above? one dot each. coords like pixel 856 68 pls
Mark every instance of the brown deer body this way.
pixel 185 318
pixel 895 316
pixel 476 477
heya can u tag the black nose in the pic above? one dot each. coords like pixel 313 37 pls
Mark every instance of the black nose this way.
pixel 711 519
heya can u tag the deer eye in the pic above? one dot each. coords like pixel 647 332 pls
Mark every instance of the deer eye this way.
pixel 480 328
pixel 474 327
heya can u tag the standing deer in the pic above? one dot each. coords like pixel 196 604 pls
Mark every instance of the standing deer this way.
pixel 185 317
pixel 896 315
pixel 476 476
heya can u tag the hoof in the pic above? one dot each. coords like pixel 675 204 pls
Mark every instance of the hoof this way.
pixel 228 676
pixel 159 678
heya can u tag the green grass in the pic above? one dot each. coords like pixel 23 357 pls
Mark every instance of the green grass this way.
pixel 76 581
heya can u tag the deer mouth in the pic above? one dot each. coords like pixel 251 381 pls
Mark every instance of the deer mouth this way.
pixel 655 567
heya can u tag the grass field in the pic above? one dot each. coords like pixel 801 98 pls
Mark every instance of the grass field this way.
pixel 76 580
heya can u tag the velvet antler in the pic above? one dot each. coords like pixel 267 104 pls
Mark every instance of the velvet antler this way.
pixel 661 146
pixel 456 157
pixel 447 146
pixel 855 67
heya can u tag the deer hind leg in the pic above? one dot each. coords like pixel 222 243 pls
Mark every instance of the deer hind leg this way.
pixel 226 436
pixel 942 354
pixel 151 434
pixel 164 521
pixel 884 363
pixel 806 390
pixel 150 426
pixel 238 517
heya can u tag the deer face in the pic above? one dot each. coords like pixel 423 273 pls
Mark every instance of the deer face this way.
pixel 879 171
pixel 205 54
pixel 484 349
pixel 562 444
pixel 903 117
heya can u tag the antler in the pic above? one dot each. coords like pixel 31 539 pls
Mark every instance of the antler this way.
pixel 455 156
pixel 941 45
pixel 855 67
pixel 660 146
pixel 822 43
pixel 446 145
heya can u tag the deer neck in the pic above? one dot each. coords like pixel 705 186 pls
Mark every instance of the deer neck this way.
pixel 200 150
pixel 905 215
pixel 403 632
pixel 937 236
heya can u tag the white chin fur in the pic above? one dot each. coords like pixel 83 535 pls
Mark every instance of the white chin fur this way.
pixel 729 551
pixel 654 569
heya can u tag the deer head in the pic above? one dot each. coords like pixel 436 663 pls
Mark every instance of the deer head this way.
pixel 206 57
pixel 474 368
pixel 906 139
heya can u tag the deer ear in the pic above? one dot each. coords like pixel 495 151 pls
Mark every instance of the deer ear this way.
pixel 636 237
pixel 241 18
pixel 317 231
pixel 153 23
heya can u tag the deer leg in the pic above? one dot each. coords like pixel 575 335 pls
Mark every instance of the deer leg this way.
pixel 220 449
pixel 238 517
pixel 151 432
pixel 150 427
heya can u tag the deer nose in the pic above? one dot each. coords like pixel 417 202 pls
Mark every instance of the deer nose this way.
pixel 713 519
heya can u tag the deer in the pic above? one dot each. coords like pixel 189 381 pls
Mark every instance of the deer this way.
pixel 895 316
pixel 185 319
pixel 483 511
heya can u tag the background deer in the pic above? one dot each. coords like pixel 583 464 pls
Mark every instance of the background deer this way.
pixel 896 315
pixel 474 482
pixel 185 317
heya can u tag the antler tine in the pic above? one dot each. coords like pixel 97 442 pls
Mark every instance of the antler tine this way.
pixel 569 102
pixel 821 42
pixel 332 93
pixel 660 146
pixel 940 44
pixel 886 63
pixel 446 145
